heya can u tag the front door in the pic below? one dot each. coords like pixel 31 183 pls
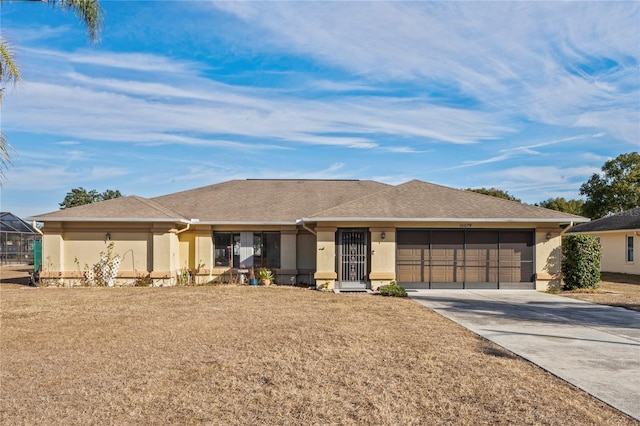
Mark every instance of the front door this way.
pixel 352 262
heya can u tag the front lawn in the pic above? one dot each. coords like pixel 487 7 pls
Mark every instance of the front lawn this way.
pixel 621 290
pixel 242 355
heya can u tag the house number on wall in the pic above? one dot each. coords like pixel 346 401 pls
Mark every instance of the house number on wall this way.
pixel 465 225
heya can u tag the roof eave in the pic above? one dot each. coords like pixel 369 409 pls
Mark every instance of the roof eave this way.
pixel 244 223
pixel 605 231
pixel 444 219
pixel 107 219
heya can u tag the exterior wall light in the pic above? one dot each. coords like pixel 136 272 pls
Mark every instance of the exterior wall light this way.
pixel 107 236
pixel 548 235
pixel 383 235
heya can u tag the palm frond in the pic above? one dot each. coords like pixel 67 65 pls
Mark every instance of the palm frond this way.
pixel 8 69
pixel 88 11
pixel 5 157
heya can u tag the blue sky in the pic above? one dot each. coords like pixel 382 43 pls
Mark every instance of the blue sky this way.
pixel 529 97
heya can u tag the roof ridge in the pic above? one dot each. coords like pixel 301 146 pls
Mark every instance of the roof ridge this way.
pixel 157 206
pixel 358 199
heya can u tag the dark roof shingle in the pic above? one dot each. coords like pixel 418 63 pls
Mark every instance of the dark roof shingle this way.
pixel 628 219
pixel 123 208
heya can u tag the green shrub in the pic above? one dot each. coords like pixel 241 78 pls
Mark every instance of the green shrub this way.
pixel 581 255
pixel 393 290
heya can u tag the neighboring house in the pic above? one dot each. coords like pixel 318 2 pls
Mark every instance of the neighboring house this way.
pixel 619 235
pixel 348 234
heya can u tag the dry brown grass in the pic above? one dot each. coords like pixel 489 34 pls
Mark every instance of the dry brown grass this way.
pixel 615 290
pixel 242 355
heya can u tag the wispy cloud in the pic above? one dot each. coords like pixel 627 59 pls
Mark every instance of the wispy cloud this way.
pixel 57 178
pixel 523 150
pixel 506 55
pixel 102 109
pixel 144 62
pixel 538 183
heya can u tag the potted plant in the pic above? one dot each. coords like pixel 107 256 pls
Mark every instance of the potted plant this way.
pixel 266 276
pixel 252 277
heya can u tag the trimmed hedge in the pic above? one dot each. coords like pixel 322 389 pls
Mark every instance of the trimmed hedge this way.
pixel 581 256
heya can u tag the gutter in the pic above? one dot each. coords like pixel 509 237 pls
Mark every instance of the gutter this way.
pixel 442 219
pixel 104 219
pixel 304 225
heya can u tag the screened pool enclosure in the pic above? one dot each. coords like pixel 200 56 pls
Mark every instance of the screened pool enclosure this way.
pixel 17 240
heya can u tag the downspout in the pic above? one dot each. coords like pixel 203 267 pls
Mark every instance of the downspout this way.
pixel 566 229
pixel 33 225
pixel 180 231
pixel 304 225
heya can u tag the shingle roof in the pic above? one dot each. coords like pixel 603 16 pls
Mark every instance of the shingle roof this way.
pixel 124 208
pixel 265 201
pixel 421 200
pixel 628 219
pixel 236 201
pixel 285 201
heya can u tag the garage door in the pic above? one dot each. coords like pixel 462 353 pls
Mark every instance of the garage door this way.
pixel 457 259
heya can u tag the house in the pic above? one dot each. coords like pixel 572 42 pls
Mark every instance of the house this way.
pixel 347 234
pixel 619 235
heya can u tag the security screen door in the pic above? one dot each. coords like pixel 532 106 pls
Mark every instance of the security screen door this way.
pixel 352 261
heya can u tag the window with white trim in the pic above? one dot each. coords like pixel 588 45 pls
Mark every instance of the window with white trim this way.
pixel 629 249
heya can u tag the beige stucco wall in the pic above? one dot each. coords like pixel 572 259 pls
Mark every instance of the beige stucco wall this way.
pixel 326 256
pixel 614 251
pixel 203 252
pixel 53 252
pixel 548 259
pixel 69 249
pixel 85 248
pixel 187 244
pixel 288 249
pixel 306 257
pixel 383 256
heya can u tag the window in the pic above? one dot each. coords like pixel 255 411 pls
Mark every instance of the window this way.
pixel 222 243
pixel 247 249
pixel 630 248
pixel 269 255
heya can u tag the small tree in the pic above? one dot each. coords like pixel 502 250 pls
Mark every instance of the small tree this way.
pixel 614 190
pixel 581 255
pixel 562 205
pixel 80 196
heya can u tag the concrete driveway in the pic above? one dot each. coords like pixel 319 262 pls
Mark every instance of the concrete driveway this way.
pixel 594 347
